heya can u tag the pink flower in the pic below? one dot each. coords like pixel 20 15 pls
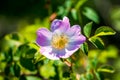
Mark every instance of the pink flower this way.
pixel 62 41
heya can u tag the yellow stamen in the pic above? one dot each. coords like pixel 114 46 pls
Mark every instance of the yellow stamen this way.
pixel 59 41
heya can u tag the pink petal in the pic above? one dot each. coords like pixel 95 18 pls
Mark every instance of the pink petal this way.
pixel 56 24
pixel 71 47
pixel 66 21
pixel 74 30
pixel 69 53
pixel 77 40
pixel 60 26
pixel 43 37
pixel 46 51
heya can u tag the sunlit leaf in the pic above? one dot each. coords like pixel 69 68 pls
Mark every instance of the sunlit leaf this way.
pixel 28 31
pixel 104 30
pixel 112 49
pixel 103 56
pixel 106 68
pixel 58 62
pixel 32 78
pixel 47 71
pixel 10 42
pixel 97 41
pixel 91 14
pixel 34 45
pixel 110 52
pixel 82 77
pixel 1 78
pixel 87 29
pixel 38 57
pixel 84 48
pixel 14 36
pixel 46 61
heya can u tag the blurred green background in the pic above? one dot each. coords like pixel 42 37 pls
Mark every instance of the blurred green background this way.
pixel 20 19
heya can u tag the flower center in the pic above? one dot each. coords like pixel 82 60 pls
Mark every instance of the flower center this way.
pixel 59 41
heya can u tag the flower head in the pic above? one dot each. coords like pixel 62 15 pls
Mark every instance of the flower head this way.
pixel 62 41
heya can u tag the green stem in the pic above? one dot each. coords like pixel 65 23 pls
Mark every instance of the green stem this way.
pixel 79 4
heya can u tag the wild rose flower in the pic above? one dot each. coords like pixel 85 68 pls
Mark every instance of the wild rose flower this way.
pixel 62 41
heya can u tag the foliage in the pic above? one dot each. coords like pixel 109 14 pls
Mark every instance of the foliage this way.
pixel 20 58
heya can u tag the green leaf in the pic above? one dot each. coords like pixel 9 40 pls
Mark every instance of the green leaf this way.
pixel 106 68
pixel 16 37
pixel 114 16
pixel 84 48
pixel 27 63
pixel 89 76
pixel 34 45
pixel 61 10
pixel 47 70
pixel 7 70
pixel 82 77
pixel 16 70
pixel 22 77
pixel 32 78
pixel 58 62
pixel 30 53
pixel 91 14
pixel 74 14
pixel 25 50
pixel 97 41
pixel 87 29
pixel 80 3
pixel 1 77
pixel 66 74
pixel 104 30
pixel 9 55
pixel 38 57
pixel 68 3
pixel 97 75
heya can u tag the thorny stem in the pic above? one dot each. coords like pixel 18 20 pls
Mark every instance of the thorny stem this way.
pixel 69 64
